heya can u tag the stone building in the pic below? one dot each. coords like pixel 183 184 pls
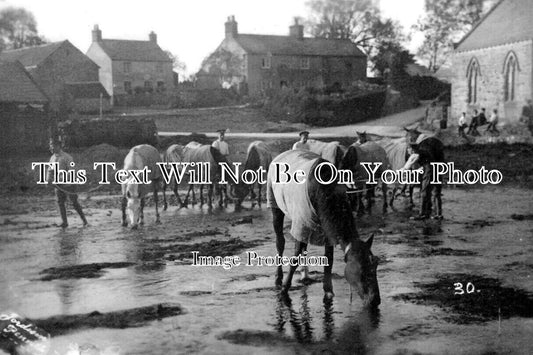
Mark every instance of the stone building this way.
pixel 24 106
pixel 127 66
pixel 52 66
pixel 492 64
pixel 256 64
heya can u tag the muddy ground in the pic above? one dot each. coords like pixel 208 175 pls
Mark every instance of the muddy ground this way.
pixel 105 289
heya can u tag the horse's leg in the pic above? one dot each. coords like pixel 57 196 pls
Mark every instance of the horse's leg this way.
pixel 141 215
pixel 277 221
pixel 437 190
pixel 123 208
pixel 219 190
pixel 368 197
pixel 176 193
pixel 259 195
pixel 299 247
pixel 186 201
pixel 156 200
pixel 328 285
pixel 201 195
pixel 165 205
pixel 304 270
pixel 393 194
pixel 360 204
pixel 384 190
pixel 210 196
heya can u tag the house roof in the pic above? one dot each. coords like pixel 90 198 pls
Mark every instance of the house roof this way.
pixel 263 44
pixel 414 69
pixel 86 90
pixel 507 22
pixel 17 86
pixel 135 51
pixel 31 56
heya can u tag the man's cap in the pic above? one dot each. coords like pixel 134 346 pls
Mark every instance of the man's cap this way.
pixel 221 130
pixel 56 139
pixel 303 133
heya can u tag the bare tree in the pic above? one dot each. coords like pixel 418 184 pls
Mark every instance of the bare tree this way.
pixel 18 29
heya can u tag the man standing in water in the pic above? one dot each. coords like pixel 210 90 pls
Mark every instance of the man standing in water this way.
pixel 302 143
pixel 220 144
pixel 63 161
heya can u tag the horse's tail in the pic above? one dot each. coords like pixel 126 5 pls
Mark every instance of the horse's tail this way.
pixel 253 159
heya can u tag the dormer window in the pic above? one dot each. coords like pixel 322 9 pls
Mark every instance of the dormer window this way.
pixel 127 67
pixel 266 62
pixel 304 63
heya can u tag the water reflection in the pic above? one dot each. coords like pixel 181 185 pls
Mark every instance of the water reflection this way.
pixel 354 337
pixel 68 253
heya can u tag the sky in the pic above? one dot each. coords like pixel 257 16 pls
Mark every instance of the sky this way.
pixel 191 29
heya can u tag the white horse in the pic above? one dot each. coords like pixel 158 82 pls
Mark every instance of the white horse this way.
pixel 133 193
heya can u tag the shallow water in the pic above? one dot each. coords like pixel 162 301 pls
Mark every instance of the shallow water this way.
pixel 239 310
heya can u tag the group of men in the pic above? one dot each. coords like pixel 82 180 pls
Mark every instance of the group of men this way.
pixel 478 119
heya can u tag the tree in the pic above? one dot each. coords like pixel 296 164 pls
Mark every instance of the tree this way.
pixel 445 22
pixel 177 64
pixel 18 29
pixel 357 20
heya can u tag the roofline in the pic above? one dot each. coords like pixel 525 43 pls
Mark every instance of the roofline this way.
pixel 478 24
pixel 128 40
pixel 361 54
pixel 47 99
pixel 40 46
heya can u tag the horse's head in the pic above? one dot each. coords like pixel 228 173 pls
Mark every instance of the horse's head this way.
pixel 411 135
pixel 133 207
pixel 350 159
pixel 361 271
pixel 362 137
pixel 337 222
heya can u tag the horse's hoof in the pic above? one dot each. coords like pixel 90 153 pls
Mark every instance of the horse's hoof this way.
pixel 157 221
pixel 124 224
pixel 285 289
pixel 329 295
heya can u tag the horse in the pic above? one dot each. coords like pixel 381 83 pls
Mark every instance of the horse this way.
pixel 133 192
pixel 173 154
pixel 430 150
pixel 368 152
pixel 333 152
pixel 258 155
pixel 320 215
pixel 195 152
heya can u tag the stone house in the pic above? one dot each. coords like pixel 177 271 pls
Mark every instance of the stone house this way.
pixel 256 64
pixel 53 65
pixel 127 66
pixel 493 64
pixel 24 106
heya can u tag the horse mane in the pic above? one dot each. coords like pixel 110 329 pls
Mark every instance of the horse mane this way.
pixel 332 206
pixel 253 160
pixel 350 158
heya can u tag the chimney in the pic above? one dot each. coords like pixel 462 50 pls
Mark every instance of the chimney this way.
pixel 97 34
pixel 231 27
pixel 153 37
pixel 296 30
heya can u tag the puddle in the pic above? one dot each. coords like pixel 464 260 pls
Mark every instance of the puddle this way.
pixel 128 318
pixel 87 271
pixel 488 300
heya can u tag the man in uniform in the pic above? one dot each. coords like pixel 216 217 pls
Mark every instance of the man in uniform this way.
pixel 63 161
pixel 220 144
pixel 302 143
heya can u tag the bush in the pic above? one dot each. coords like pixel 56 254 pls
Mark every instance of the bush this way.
pixel 119 132
pixel 317 107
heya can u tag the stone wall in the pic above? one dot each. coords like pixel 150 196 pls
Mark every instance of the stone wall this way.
pixel 490 92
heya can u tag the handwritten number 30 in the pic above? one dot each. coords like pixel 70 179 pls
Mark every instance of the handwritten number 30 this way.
pixel 459 288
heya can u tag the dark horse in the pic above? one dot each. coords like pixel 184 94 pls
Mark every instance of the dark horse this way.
pixel 429 150
pixel 195 152
pixel 320 215
pixel 259 155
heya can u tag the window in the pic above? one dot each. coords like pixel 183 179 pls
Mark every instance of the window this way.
pixel 473 74
pixel 160 86
pixel 127 87
pixel 509 71
pixel 304 63
pixel 159 67
pixel 127 67
pixel 148 86
pixel 266 62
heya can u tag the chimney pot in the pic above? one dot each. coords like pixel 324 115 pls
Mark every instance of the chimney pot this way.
pixel 231 27
pixel 97 34
pixel 152 37
pixel 296 30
